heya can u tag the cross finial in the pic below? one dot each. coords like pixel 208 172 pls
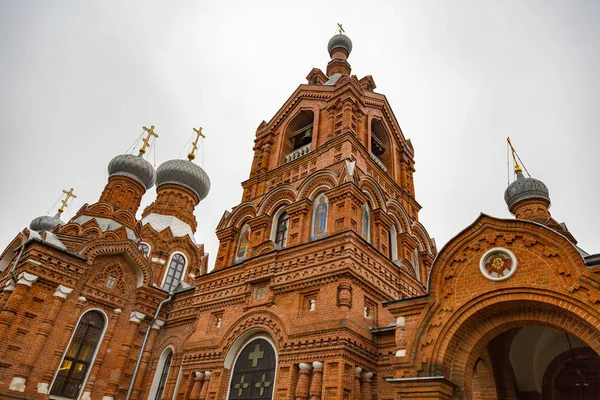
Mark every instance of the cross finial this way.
pixel 340 28
pixel 512 149
pixel 68 195
pixel 147 138
pixel 199 133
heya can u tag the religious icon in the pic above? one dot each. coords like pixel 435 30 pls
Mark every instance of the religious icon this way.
pixel 365 223
pixel 497 265
pixel 320 217
pixel 243 244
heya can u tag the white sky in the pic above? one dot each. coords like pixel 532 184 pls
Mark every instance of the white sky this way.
pixel 79 79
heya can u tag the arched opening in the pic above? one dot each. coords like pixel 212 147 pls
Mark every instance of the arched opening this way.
pixel 523 350
pixel 381 150
pixel 174 274
pixel 253 375
pixel 79 357
pixel 298 136
pixel 162 373
pixel 393 240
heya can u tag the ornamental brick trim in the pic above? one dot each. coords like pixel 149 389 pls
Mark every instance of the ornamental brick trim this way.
pixel 326 178
pixel 280 195
pixel 241 213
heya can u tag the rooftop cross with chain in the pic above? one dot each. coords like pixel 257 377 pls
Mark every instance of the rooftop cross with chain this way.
pixel 199 134
pixel 147 138
pixel 68 195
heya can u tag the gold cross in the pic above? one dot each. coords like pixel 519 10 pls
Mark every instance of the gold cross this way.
pixel 340 29
pixel 192 153
pixel 68 194
pixel 147 138
pixel 517 166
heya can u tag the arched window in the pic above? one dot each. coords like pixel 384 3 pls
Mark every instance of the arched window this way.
pixel 80 355
pixel 319 219
pixel 161 375
pixel 299 133
pixel 281 230
pixel 243 244
pixel 175 272
pixel 380 146
pixel 415 263
pixel 365 222
pixel 253 375
pixel 145 249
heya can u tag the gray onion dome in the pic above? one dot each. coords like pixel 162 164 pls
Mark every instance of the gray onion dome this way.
pixel 134 167
pixel 184 173
pixel 525 188
pixel 339 40
pixel 46 223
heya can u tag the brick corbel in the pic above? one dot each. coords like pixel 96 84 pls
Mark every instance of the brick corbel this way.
pixel 259 227
pixel 342 200
pixel 300 221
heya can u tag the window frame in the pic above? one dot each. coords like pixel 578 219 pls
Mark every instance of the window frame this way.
pixel 275 228
pixel 166 272
pixel 92 359
pixel 154 386
pixel 147 256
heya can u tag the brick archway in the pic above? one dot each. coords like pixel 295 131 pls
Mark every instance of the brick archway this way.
pixel 468 335
pixel 557 365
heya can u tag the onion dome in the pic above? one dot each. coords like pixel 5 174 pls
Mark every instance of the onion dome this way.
pixel 525 188
pixel 134 167
pixel 46 223
pixel 184 173
pixel 337 41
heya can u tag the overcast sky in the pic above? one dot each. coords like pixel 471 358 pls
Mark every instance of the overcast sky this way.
pixel 78 79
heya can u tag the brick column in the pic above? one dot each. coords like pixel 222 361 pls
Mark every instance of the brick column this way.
pixel 99 360
pixel 24 370
pixel 357 372
pixel 146 359
pixel 204 390
pixel 316 385
pixel 13 304
pixel 126 344
pixel 198 383
pixel 60 349
pixel 344 300
pixel 366 389
pixel 227 246
pixel 300 221
pixel 382 223
pixel 302 386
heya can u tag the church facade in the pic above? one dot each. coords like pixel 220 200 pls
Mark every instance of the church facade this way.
pixel 325 284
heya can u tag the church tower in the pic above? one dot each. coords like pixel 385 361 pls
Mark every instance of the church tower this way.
pixel 327 230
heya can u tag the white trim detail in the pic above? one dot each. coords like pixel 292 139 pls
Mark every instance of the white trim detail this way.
pixel 158 324
pixel 158 261
pixel 507 252
pixel 136 317
pixel 27 279
pixel 9 286
pixel 17 384
pixel 42 388
pixel 62 291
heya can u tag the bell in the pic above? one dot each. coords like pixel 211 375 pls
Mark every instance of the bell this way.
pixel 307 137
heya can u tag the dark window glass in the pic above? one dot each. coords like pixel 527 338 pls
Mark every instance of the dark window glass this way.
pixel 163 376
pixel 282 228
pixel 145 249
pixel 253 373
pixel 174 272
pixel 79 356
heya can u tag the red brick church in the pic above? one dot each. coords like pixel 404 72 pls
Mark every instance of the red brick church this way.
pixel 325 284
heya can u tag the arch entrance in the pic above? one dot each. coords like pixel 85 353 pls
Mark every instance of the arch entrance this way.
pixel 253 376
pixel 523 350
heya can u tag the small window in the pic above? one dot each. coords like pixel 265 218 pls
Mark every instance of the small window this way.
pixel 145 249
pixel 175 272
pixel 282 230
pixel 79 356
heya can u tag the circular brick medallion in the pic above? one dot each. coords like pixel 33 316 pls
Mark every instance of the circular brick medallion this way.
pixel 498 264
